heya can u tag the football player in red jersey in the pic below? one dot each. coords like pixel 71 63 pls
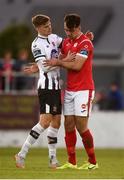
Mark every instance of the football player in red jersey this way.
pixel 79 93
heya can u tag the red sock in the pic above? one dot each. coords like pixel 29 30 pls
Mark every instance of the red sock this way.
pixel 70 140
pixel 87 140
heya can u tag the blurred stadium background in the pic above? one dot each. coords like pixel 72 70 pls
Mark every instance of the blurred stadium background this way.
pixel 18 100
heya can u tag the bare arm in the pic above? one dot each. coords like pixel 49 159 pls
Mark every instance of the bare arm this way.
pixel 31 68
pixel 75 64
pixel 61 56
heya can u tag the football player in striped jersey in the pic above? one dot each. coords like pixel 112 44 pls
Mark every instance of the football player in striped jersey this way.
pixel 45 46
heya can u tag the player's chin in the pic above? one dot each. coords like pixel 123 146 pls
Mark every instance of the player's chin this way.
pixel 50 32
pixel 69 36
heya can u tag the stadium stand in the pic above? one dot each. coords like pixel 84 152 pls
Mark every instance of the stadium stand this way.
pixel 104 18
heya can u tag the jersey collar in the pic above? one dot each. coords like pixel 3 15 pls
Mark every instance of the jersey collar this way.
pixel 43 37
pixel 77 38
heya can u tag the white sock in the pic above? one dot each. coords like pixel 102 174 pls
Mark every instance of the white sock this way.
pixel 52 141
pixel 31 139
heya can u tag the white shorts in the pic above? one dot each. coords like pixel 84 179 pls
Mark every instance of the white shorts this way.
pixel 78 103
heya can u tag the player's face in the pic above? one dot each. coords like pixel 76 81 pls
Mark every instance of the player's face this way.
pixel 45 30
pixel 73 33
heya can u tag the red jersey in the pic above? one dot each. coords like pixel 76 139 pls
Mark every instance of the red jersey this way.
pixel 80 80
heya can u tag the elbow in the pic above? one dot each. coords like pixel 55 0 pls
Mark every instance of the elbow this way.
pixel 76 68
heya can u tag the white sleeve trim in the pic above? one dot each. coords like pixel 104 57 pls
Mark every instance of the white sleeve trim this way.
pixel 82 55
pixel 39 58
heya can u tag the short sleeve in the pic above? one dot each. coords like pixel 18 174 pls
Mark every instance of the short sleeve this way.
pixel 59 41
pixel 38 52
pixel 85 48
pixel 62 48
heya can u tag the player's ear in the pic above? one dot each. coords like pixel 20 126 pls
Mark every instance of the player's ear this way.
pixel 90 35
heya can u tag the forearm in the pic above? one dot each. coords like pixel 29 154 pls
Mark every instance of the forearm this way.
pixel 30 69
pixel 68 62
pixel 68 65
pixel 50 68
pixel 75 65
pixel 34 69
pixel 61 56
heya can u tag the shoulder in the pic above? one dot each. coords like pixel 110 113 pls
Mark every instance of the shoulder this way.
pixel 54 36
pixel 37 47
pixel 37 40
pixel 85 43
pixel 36 43
pixel 65 41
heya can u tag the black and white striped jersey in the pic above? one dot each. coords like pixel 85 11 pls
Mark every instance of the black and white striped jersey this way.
pixel 47 48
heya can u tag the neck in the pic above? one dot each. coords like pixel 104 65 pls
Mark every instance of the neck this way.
pixel 41 35
pixel 78 34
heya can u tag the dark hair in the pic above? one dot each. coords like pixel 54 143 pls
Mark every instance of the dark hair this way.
pixel 72 21
pixel 39 20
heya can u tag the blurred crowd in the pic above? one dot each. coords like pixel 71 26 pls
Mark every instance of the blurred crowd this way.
pixel 12 76
pixel 111 99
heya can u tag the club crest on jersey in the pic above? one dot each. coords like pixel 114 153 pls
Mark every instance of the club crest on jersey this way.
pixel 53 43
pixel 54 53
pixel 67 44
pixel 75 44
pixel 86 46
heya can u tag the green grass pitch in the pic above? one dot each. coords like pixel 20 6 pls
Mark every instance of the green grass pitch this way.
pixel 111 165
